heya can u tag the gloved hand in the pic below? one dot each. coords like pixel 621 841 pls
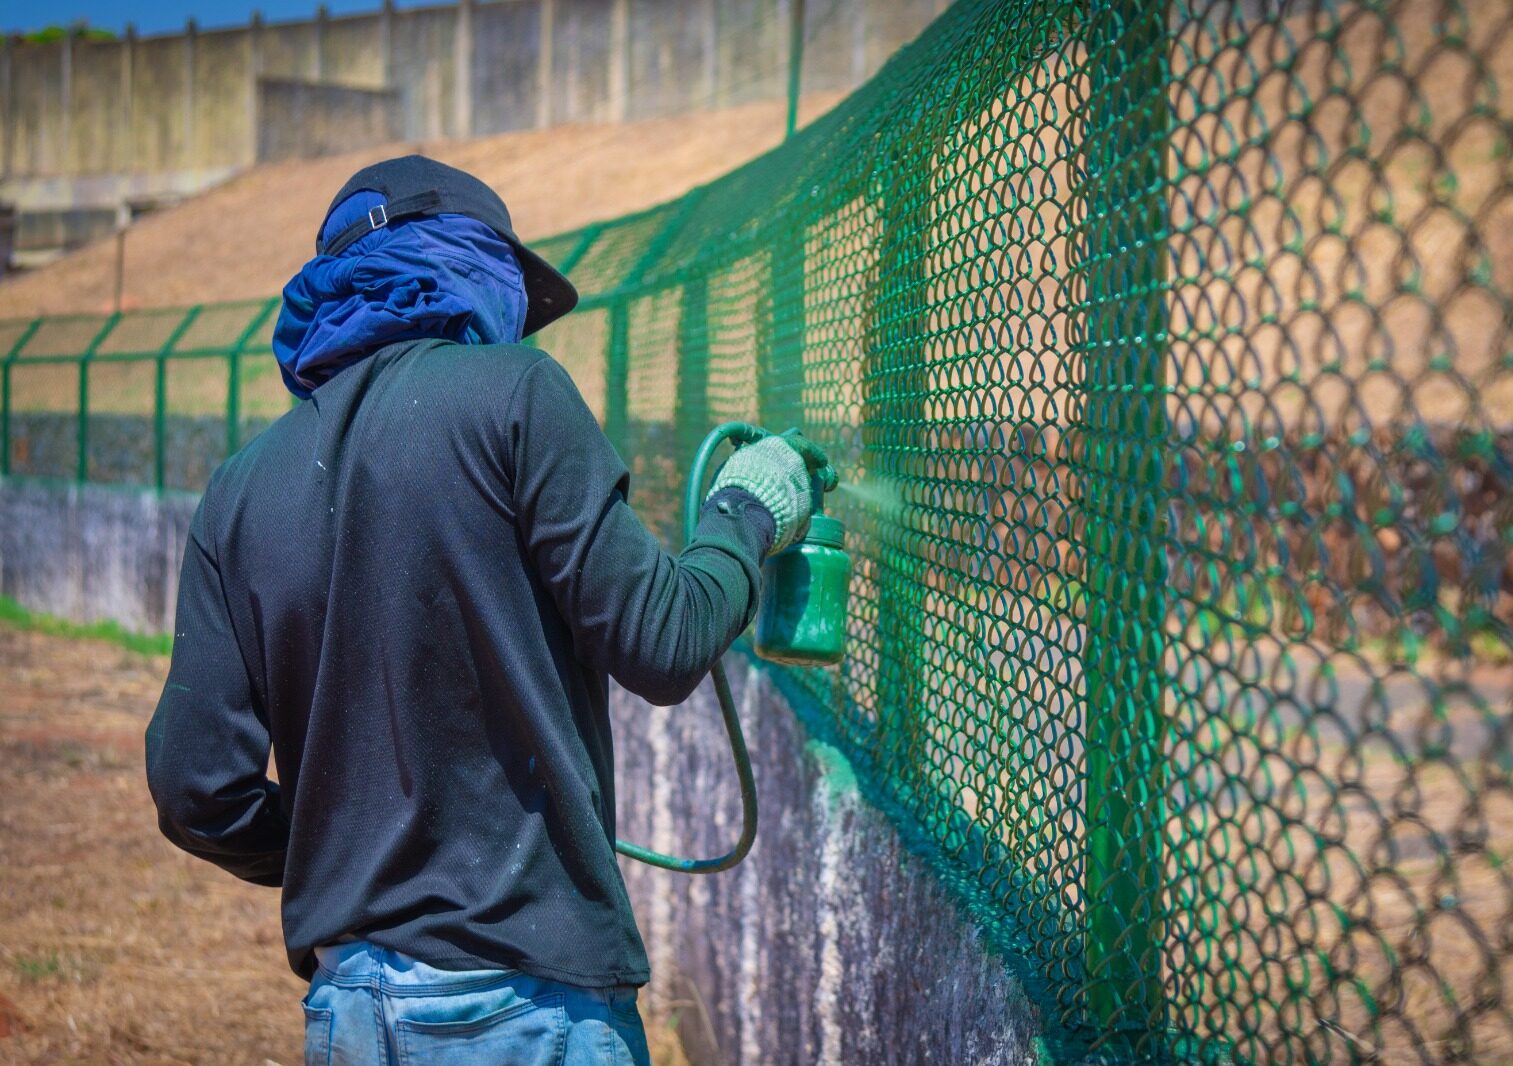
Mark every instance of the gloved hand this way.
pixel 787 473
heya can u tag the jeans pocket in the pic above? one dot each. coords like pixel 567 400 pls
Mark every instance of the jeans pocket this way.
pixel 317 1036
pixel 524 1032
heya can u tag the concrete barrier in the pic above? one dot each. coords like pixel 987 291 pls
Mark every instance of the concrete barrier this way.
pixel 829 944
pixel 90 553
pixel 97 123
pixel 303 119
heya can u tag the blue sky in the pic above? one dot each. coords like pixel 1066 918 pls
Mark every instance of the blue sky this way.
pixel 164 16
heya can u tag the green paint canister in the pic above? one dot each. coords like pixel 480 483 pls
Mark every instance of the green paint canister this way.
pixel 802 616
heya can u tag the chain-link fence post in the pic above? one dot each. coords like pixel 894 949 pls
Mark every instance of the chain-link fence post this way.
pixel 617 376
pixel 692 414
pixel 893 412
pixel 5 391
pixel 780 363
pixel 1122 526
pixel 795 64
pixel 81 468
pixel 160 397
pixel 234 373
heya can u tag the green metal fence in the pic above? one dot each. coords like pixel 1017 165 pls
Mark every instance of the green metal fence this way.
pixel 147 397
pixel 1166 351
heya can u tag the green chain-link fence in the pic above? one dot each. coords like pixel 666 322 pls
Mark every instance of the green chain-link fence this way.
pixel 146 398
pixel 1167 354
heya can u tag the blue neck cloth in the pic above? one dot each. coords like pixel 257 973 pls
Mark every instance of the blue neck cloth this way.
pixel 446 276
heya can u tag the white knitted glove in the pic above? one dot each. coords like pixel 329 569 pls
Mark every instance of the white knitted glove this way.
pixel 775 473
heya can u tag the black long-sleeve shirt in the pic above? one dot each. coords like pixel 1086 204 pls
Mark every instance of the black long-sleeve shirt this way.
pixel 416 584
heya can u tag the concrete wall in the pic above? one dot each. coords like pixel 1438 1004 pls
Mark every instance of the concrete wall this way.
pixel 92 554
pixel 92 123
pixel 303 118
pixel 829 944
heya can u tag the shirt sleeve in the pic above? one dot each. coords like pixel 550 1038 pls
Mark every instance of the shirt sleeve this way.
pixel 208 743
pixel 654 622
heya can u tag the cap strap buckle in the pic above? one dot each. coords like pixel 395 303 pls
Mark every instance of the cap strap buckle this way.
pixel 422 203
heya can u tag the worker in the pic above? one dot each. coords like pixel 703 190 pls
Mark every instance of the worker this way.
pixel 415 586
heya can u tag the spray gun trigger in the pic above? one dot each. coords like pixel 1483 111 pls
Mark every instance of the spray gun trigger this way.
pixel 745 433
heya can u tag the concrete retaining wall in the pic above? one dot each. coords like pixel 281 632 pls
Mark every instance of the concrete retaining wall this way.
pixel 303 118
pixel 93 123
pixel 829 944
pixel 93 554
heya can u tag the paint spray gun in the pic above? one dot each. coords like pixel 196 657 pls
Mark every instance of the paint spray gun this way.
pixel 801 620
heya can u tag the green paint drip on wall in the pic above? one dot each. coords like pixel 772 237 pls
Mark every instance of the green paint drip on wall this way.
pixel 835 770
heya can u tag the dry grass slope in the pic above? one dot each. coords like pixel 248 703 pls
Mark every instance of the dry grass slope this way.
pixel 246 238
pixel 115 947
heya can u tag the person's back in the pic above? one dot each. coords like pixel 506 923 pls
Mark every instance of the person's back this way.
pixel 416 585
pixel 370 557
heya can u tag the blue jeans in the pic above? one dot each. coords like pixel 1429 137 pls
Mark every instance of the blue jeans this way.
pixel 368 1006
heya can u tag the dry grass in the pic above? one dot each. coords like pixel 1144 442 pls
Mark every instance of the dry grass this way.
pixel 246 238
pixel 114 946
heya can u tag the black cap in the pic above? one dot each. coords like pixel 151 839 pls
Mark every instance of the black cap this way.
pixel 413 186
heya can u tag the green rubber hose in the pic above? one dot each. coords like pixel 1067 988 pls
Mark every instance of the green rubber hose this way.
pixel 742 433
